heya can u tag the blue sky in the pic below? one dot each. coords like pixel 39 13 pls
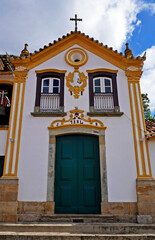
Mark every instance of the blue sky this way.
pixel 113 22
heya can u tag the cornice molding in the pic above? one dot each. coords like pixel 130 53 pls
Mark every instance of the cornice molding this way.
pixel 133 76
pixel 20 76
pixel 84 42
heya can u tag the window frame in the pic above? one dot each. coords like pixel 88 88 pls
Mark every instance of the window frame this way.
pixel 102 85
pixel 50 86
pixel 50 75
pixel 102 74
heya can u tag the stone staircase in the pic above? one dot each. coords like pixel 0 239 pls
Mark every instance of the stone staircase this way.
pixel 76 228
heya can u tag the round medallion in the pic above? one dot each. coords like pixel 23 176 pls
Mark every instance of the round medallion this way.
pixel 76 57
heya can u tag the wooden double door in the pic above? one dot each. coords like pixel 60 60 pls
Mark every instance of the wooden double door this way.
pixel 77 174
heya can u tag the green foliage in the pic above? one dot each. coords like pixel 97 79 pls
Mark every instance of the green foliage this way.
pixel 146 107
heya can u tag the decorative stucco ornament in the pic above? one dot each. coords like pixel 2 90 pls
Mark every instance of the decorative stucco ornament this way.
pixel 20 68
pixel 77 118
pixel 76 82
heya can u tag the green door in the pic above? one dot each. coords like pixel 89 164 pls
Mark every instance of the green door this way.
pixel 77 174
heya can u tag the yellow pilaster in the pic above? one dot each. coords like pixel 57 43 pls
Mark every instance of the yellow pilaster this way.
pixel 15 124
pixel 138 125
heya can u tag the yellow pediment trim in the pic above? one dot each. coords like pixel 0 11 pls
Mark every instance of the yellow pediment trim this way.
pixel 51 70
pixel 82 41
pixel 102 70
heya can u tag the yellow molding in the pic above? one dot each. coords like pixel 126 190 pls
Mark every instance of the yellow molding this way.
pixel 145 177
pixel 4 128
pixel 20 76
pixel 84 42
pixel 19 129
pixel 8 138
pixel 71 116
pixel 51 70
pixel 70 52
pixel 139 130
pixel 133 76
pixel 6 82
pixel 134 130
pixel 148 158
pixel 7 73
pixel 14 128
pixel 141 106
pixel 78 125
pixel 102 70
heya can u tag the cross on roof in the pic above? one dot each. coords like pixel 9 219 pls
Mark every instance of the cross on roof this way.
pixel 75 19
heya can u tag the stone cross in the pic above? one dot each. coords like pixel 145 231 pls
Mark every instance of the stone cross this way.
pixel 75 19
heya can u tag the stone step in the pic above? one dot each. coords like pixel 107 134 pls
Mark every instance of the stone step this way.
pixel 78 218
pixel 81 228
pixel 71 236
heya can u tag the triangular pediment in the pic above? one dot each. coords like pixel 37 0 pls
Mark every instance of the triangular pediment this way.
pixel 108 54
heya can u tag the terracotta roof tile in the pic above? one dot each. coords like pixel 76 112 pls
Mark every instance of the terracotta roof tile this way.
pixel 150 125
pixel 87 36
pixel 7 66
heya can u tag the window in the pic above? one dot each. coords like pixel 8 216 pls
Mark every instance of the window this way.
pixel 1 165
pixel 5 103
pixel 103 92
pixel 50 92
pixel 102 85
pixel 50 85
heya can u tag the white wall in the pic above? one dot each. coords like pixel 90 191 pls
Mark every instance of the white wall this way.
pixel 3 141
pixel 33 157
pixel 151 145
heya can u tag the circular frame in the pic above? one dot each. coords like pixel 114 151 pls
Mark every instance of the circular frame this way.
pixel 73 52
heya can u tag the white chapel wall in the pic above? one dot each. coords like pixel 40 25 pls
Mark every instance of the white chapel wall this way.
pixel 151 145
pixel 33 156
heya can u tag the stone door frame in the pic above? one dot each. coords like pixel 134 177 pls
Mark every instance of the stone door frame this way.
pixel 52 153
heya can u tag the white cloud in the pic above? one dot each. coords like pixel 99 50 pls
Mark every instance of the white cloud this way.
pixel 138 22
pixel 111 21
pixel 148 77
pixel 39 22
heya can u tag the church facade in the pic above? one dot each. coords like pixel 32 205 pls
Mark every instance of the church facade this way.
pixel 76 141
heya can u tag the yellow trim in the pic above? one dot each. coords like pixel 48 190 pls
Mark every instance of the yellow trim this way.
pixel 84 42
pixel 50 70
pixel 146 177
pixel 4 128
pixel 89 120
pixel 76 89
pixel 141 106
pixel 78 125
pixel 10 123
pixel 14 129
pixel 19 129
pixel 70 52
pixel 102 70
pixel 75 110
pixel 139 130
pixel 6 82
pixel 7 73
pixel 134 131
pixel 148 157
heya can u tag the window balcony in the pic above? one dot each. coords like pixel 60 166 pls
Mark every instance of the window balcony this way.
pixel 103 102
pixel 49 102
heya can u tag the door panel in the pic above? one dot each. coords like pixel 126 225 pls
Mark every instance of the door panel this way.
pixel 77 174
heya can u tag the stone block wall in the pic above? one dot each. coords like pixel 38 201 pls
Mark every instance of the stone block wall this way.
pixel 123 211
pixel 146 200
pixel 32 211
pixel 8 200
